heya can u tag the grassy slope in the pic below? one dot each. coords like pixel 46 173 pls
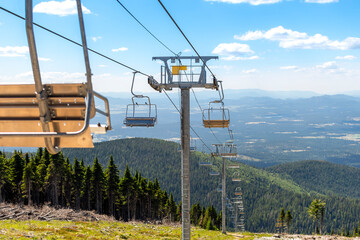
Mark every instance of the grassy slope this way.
pixel 103 230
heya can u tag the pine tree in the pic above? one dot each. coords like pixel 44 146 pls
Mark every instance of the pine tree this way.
pixel 78 177
pixel 66 184
pixel 112 185
pixel 288 219
pixel 3 174
pixel 97 185
pixel 27 181
pixel 171 208
pixel 126 189
pixel 86 189
pixel 316 211
pixel 195 213
pixel 282 219
pixel 54 174
pixel 16 174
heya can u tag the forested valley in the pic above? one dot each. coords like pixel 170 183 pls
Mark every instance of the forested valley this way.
pixel 140 179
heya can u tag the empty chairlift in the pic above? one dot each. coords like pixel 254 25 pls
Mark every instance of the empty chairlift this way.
pixel 216 116
pixel 140 114
pixel 238 191
pixel 213 173
pixel 227 149
pixel 236 177
pixel 208 162
pixel 54 116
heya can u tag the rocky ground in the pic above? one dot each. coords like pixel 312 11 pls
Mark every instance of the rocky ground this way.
pixel 16 212
pixel 304 237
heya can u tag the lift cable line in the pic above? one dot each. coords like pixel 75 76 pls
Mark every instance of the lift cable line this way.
pixel 186 38
pixel 176 55
pixel 102 55
pixel 122 5
pixel 76 43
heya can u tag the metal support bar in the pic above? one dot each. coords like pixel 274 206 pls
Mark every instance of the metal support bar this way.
pixel 41 94
pixel 223 197
pixel 85 49
pixel 185 163
pixel 107 109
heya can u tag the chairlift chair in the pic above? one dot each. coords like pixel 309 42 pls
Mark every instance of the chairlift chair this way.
pixel 236 177
pixel 214 173
pixel 238 191
pixel 216 116
pixel 233 166
pixel 207 163
pixel 228 150
pixel 54 116
pixel 140 114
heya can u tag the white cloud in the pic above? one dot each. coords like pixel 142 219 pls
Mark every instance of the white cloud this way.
pixel 328 65
pixel 252 2
pixel 102 66
pixel 321 1
pixel 249 71
pixel 288 67
pixel 235 58
pixel 122 49
pixel 96 38
pixel 347 57
pixel 44 59
pixel 186 50
pixel 64 8
pixel 288 38
pixel 9 51
pixel 234 51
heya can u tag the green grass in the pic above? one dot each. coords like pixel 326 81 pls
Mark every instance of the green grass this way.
pixel 106 230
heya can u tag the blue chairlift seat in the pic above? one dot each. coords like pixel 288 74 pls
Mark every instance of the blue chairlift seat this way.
pixel 141 115
pixel 205 164
pixel 214 173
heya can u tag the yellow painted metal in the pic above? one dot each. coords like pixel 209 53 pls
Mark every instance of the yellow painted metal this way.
pixel 216 123
pixel 176 69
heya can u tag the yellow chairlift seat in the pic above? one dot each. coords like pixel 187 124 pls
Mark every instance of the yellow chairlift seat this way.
pixel 19 113
pixel 218 116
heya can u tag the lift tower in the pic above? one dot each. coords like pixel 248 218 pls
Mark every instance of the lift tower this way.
pixel 175 74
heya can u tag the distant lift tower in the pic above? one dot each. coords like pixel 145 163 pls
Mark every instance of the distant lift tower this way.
pixel 175 74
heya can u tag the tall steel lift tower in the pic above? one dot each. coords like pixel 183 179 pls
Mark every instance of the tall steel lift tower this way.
pixel 176 75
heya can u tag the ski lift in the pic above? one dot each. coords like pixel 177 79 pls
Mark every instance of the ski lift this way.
pixel 236 177
pixel 207 163
pixel 140 114
pixel 225 150
pixel 214 173
pixel 238 191
pixel 233 166
pixel 54 116
pixel 218 116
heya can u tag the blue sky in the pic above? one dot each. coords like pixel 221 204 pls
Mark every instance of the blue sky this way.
pixel 266 44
